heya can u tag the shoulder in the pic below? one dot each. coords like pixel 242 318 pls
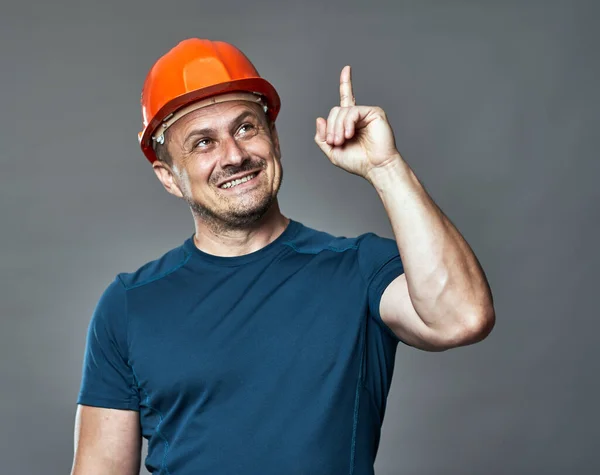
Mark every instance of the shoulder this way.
pixel 111 309
pixel 369 251
pixel 312 241
pixel 156 269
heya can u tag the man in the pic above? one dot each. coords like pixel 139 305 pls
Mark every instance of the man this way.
pixel 260 345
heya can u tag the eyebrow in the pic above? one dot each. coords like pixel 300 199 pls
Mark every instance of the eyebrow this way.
pixel 209 130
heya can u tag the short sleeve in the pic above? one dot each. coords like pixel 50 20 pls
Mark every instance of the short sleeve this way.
pixel 107 378
pixel 380 263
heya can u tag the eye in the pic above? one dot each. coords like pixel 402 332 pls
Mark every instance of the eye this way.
pixel 247 127
pixel 202 143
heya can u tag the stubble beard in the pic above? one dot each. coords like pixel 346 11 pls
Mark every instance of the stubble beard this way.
pixel 231 217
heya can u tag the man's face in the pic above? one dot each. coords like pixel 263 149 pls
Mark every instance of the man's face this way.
pixel 214 145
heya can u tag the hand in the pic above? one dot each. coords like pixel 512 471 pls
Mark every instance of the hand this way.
pixel 358 139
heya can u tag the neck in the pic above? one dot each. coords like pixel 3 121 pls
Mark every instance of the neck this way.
pixel 237 242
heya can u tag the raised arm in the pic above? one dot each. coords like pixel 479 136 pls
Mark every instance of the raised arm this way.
pixel 443 300
pixel 107 441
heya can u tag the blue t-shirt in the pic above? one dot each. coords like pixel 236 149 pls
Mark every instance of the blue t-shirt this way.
pixel 276 362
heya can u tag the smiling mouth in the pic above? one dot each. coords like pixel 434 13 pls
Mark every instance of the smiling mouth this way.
pixel 239 181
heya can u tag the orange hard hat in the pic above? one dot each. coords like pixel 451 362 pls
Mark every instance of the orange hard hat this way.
pixel 193 70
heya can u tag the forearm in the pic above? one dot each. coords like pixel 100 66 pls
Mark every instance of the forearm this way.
pixel 447 286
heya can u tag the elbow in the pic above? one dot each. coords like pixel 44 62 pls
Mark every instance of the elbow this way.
pixel 471 328
pixel 482 324
pixel 476 326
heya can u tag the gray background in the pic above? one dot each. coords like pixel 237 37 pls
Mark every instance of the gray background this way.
pixel 494 105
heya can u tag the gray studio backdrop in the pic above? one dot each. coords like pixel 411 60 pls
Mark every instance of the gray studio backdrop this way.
pixel 494 105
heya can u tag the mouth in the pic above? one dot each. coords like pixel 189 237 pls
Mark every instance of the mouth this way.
pixel 242 182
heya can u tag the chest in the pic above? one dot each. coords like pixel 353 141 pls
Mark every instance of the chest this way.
pixel 232 335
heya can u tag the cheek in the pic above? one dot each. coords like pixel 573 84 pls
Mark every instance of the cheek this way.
pixel 261 146
pixel 200 172
pixel 189 179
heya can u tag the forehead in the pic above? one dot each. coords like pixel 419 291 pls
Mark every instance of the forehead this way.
pixel 216 116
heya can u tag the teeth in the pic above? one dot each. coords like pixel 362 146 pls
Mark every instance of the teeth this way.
pixel 230 184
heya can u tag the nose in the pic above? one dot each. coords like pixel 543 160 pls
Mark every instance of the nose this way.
pixel 234 154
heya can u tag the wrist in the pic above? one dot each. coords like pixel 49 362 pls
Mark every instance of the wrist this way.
pixel 394 173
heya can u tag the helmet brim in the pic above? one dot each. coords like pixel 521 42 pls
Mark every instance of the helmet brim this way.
pixel 255 85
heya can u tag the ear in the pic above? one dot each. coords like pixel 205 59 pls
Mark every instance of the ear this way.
pixel 275 138
pixel 165 175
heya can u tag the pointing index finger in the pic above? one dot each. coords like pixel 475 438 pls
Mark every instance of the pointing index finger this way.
pixel 346 94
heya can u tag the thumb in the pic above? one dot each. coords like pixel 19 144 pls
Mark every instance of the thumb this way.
pixel 321 137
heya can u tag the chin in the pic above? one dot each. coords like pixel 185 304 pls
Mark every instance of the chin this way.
pixel 233 217
pixel 245 217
